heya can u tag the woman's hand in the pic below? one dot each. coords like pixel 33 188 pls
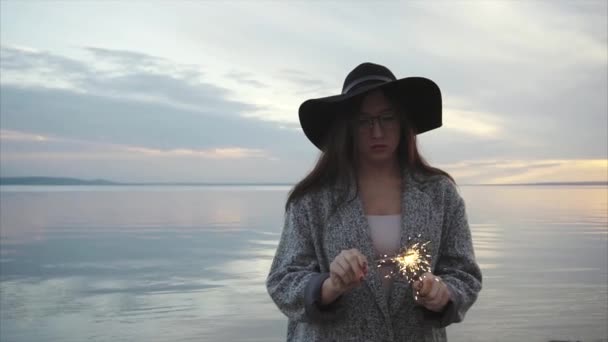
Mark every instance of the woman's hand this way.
pixel 431 292
pixel 346 272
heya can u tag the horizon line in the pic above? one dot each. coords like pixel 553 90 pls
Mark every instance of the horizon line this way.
pixel 44 180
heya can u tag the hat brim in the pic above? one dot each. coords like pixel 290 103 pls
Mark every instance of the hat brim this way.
pixel 420 96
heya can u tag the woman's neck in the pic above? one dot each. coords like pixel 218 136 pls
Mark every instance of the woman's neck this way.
pixel 369 172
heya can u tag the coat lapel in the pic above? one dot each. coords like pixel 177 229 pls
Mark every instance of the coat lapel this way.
pixel 355 224
pixel 373 281
pixel 415 214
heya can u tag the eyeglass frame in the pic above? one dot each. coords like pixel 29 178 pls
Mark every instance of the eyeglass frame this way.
pixel 370 120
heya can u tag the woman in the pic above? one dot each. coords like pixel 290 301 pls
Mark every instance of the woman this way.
pixel 369 195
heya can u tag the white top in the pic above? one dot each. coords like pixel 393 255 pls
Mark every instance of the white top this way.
pixel 385 231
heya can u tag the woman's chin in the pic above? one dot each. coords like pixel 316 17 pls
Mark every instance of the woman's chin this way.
pixel 377 157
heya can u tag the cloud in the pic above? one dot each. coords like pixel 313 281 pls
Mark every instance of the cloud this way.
pixel 472 123
pixel 127 58
pixel 163 89
pixel 562 170
pixel 23 59
pixel 6 135
pixel 47 147
pixel 124 62
pixel 153 79
pixel 66 114
pixel 517 32
pixel 245 78
pixel 215 153
pixel 496 171
pixel 29 66
pixel 301 79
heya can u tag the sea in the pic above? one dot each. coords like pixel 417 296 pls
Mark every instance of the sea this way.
pixel 189 263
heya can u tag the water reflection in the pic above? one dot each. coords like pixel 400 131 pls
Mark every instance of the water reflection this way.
pixel 181 264
pixel 543 252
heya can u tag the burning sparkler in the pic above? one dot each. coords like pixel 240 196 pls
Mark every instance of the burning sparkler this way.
pixel 411 262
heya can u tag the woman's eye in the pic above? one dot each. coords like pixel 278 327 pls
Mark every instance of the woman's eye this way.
pixel 388 117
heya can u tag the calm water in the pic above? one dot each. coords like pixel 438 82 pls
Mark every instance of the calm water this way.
pixel 189 263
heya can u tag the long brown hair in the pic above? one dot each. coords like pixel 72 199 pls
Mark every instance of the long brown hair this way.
pixel 336 165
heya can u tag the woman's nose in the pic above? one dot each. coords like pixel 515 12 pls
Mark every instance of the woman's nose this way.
pixel 377 130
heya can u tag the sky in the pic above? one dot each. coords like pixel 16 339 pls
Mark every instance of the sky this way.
pixel 209 91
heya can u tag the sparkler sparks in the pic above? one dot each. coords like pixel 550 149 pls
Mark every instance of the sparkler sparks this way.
pixel 411 262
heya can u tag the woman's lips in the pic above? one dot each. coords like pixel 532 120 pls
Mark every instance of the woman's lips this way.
pixel 378 147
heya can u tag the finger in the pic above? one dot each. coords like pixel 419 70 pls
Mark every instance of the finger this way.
pixel 362 261
pixel 347 255
pixel 432 287
pixel 352 272
pixel 345 271
pixel 342 271
pixel 432 304
pixel 435 287
pixel 440 300
pixel 426 285
pixel 353 261
pixel 336 273
pixel 439 289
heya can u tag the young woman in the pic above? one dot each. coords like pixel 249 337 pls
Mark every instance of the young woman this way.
pixel 371 194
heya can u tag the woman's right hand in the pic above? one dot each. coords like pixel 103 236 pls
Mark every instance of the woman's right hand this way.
pixel 346 272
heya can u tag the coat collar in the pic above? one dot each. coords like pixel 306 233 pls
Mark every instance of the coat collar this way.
pixel 415 212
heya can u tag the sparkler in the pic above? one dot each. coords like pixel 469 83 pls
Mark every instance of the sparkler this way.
pixel 411 262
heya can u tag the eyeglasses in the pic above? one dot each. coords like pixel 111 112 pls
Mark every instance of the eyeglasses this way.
pixel 385 120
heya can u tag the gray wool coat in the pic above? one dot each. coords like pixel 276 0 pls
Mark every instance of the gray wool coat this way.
pixel 312 238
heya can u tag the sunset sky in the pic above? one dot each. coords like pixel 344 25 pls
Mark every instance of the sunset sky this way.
pixel 209 91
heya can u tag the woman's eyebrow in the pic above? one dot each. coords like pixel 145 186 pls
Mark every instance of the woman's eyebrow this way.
pixel 380 111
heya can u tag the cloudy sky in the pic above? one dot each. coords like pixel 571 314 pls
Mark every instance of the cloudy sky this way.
pixel 209 91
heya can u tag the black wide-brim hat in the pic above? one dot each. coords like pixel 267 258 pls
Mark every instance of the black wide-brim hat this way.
pixel 420 97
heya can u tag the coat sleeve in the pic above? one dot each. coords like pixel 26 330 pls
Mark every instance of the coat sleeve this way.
pixel 456 264
pixel 294 281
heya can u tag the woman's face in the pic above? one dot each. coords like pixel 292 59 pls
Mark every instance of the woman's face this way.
pixel 377 128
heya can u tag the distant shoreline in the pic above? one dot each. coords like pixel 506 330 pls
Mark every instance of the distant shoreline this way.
pixel 58 181
pixel 103 182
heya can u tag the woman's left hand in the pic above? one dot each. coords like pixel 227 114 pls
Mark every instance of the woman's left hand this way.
pixel 431 292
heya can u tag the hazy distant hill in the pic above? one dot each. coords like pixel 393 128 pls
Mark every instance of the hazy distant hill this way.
pixel 53 181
